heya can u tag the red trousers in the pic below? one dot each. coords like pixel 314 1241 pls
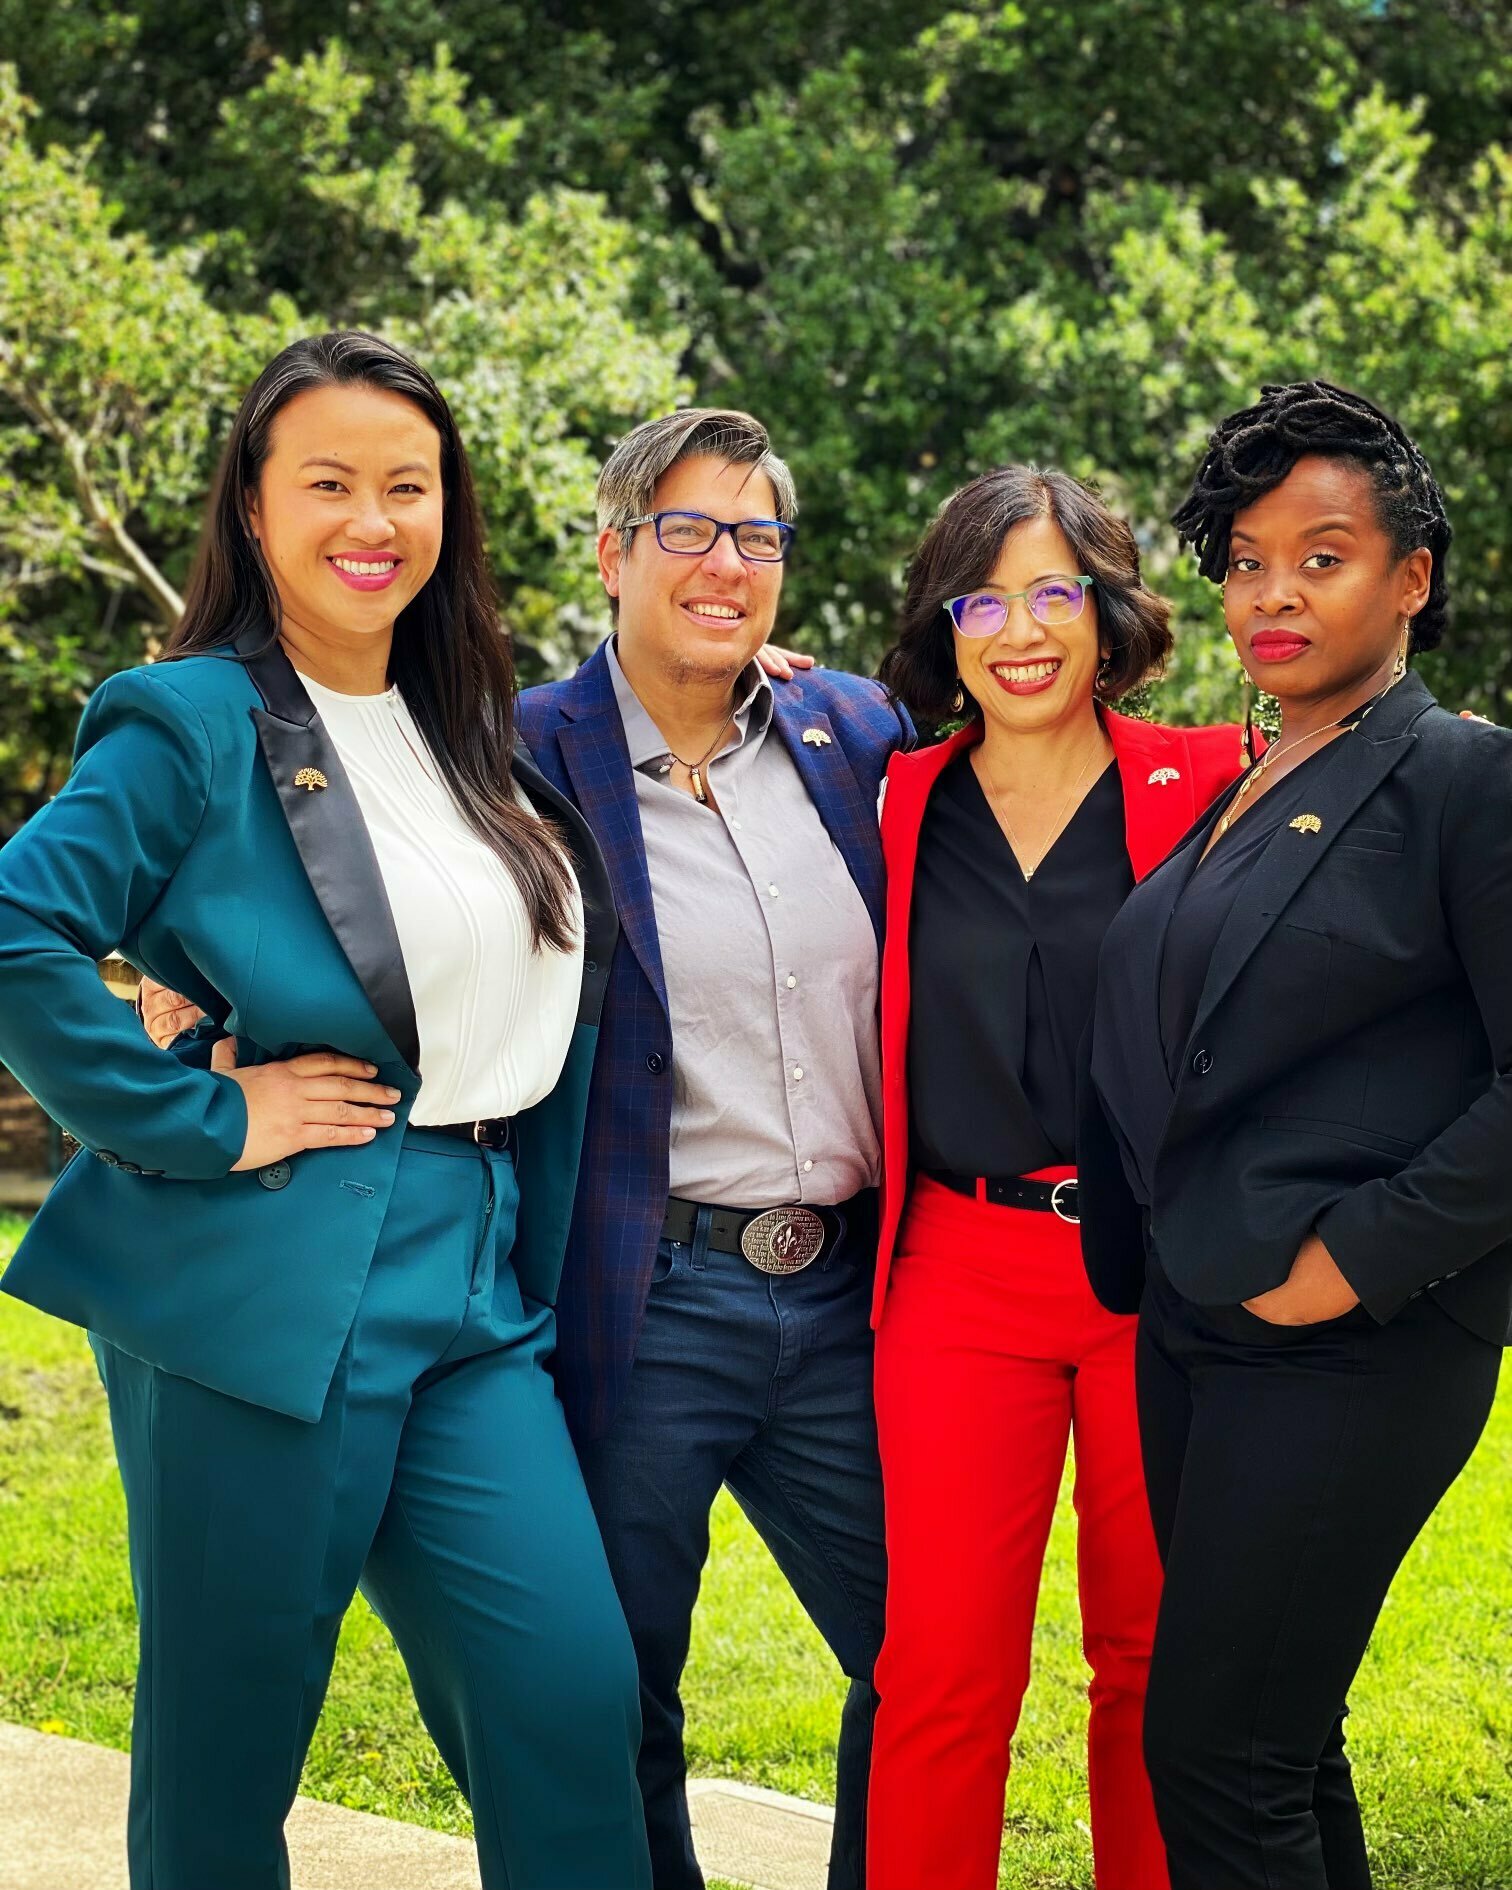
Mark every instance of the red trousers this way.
pixel 991 1351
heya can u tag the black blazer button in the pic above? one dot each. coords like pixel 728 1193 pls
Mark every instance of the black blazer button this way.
pixel 590 965
pixel 1201 1063
pixel 656 1063
pixel 276 1175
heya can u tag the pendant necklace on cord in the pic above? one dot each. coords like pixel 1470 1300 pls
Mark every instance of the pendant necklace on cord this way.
pixel 696 768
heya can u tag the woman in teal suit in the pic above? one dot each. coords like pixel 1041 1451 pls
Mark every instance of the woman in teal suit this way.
pixel 317 1248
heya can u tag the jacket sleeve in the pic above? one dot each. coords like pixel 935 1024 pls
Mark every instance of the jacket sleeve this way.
pixel 1452 1203
pixel 74 883
pixel 1112 1222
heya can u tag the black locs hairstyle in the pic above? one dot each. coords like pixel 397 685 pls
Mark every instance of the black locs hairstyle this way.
pixel 1251 452
pixel 450 659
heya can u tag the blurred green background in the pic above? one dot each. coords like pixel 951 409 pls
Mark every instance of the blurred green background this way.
pixel 915 239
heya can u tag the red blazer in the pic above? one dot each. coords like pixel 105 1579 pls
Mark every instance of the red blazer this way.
pixel 1169 776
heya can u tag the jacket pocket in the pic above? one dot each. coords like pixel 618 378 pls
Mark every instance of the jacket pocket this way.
pixel 1340 1132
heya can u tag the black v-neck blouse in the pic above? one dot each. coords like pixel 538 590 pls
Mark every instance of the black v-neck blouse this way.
pixel 1002 973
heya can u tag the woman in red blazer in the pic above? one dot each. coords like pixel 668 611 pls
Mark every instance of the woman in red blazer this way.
pixel 1009 848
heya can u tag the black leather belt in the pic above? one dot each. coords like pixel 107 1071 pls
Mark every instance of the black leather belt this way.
pixel 1041 1197
pixel 495 1132
pixel 774 1240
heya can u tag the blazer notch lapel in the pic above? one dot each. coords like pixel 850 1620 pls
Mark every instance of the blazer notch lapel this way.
pixel 1291 856
pixel 598 765
pixel 826 771
pixel 1160 794
pixel 336 851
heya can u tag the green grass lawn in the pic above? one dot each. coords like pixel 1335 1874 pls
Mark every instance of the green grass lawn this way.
pixel 1432 1730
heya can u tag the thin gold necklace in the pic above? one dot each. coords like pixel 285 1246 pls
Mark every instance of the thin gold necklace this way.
pixel 1344 726
pixel 1056 830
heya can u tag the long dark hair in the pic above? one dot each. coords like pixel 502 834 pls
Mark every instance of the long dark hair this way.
pixel 957 555
pixel 450 658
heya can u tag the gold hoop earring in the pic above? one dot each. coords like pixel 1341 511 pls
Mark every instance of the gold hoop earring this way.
pixel 958 700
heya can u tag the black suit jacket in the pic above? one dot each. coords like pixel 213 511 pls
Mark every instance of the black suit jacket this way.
pixel 1350 1063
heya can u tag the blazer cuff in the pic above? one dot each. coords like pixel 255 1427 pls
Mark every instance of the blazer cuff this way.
pixel 1383 1280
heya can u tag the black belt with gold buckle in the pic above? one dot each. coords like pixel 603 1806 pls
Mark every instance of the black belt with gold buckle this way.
pixel 1041 1197
pixel 774 1240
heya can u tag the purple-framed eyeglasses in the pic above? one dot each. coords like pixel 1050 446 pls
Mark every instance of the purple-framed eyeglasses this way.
pixel 1052 600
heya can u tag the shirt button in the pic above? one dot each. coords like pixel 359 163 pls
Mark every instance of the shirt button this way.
pixel 807 1167
pixel 1202 1062
pixel 655 1063
pixel 798 1073
pixel 792 982
pixel 772 890
pixel 736 825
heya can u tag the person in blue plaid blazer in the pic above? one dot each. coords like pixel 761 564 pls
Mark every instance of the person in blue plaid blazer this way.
pixel 702 1338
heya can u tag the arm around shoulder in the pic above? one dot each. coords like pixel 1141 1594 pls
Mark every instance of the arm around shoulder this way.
pixel 74 885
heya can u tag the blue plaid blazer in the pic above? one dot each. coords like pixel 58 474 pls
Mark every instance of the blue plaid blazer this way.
pixel 575 735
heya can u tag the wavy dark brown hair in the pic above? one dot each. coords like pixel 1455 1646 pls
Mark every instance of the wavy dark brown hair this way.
pixel 958 552
pixel 450 657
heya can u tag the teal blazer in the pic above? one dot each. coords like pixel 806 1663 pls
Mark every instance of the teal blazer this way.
pixel 209 832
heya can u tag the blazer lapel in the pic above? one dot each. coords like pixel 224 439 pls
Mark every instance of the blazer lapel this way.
pixel 1294 853
pixel 1160 796
pixel 597 760
pixel 600 921
pixel 849 816
pixel 326 822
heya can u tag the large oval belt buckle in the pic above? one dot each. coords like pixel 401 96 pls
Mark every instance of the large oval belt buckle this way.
pixel 783 1240
pixel 1064 1199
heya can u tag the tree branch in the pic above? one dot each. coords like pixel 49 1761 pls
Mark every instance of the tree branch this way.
pixel 142 573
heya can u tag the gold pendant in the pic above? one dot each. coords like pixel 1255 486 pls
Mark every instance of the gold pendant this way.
pixel 698 788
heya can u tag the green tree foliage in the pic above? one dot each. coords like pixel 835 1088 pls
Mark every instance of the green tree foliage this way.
pixel 918 239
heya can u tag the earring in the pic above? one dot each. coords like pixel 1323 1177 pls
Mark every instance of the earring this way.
pixel 958 700
pixel 1104 675
pixel 1247 739
pixel 1399 668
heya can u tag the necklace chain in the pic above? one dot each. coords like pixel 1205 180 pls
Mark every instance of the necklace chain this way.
pixel 1345 726
pixel 1056 829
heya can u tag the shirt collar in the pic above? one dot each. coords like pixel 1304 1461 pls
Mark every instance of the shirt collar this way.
pixel 754 704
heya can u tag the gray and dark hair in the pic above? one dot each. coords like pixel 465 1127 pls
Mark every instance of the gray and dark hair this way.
pixel 627 484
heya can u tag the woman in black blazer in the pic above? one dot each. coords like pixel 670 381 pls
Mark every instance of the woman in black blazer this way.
pixel 1296 1138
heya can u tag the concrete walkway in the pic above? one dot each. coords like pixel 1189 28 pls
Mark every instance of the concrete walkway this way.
pixel 63 1815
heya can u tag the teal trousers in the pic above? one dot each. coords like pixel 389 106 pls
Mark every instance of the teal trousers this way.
pixel 440 1479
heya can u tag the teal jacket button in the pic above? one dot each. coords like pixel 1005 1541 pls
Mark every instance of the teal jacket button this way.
pixel 276 1175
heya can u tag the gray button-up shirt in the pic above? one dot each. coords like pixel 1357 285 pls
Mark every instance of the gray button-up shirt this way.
pixel 770 963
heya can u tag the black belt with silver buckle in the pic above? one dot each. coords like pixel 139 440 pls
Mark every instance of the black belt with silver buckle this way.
pixel 774 1240
pixel 1041 1197
pixel 495 1132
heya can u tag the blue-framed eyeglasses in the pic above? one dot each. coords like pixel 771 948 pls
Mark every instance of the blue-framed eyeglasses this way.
pixel 694 535
pixel 1052 600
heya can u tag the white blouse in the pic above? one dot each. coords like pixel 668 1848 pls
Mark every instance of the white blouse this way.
pixel 495 1017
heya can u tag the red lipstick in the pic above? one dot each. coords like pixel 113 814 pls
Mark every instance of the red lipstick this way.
pixel 1277 646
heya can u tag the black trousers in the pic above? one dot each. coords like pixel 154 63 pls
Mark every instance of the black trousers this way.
pixel 1289 1471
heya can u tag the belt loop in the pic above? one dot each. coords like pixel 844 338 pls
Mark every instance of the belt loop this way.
pixel 702 1222
pixel 981 1190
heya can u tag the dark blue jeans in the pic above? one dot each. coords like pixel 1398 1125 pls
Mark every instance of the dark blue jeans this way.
pixel 764 1384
